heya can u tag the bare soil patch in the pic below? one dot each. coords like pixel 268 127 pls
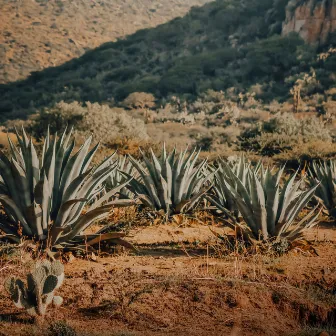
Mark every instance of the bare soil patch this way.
pixel 175 287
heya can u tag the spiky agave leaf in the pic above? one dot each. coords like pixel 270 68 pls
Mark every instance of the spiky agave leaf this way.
pixel 119 176
pixel 175 182
pixel 46 196
pixel 324 173
pixel 220 195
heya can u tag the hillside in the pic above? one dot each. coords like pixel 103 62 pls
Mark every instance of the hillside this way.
pixel 223 44
pixel 36 34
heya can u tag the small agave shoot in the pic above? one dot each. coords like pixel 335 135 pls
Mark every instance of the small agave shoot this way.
pixel 39 291
pixel 324 174
pixel 270 211
pixel 174 183
pixel 44 199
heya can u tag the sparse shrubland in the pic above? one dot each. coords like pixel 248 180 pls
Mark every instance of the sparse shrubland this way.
pixel 216 122
pixel 105 124
pixel 283 132
pixel 219 123
pixel 222 45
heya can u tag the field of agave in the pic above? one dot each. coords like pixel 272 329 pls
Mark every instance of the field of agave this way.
pixel 53 199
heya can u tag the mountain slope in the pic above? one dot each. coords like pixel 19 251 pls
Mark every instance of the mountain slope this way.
pixel 224 44
pixel 36 34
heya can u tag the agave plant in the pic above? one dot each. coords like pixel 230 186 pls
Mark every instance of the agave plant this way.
pixel 221 197
pixel 118 177
pixel 44 200
pixel 324 174
pixel 269 210
pixel 175 182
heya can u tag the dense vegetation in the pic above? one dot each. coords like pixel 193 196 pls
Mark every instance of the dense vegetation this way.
pixel 221 45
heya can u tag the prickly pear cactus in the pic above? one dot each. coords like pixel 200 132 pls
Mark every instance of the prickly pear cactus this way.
pixel 42 281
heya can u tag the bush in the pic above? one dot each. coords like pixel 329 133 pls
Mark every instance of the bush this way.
pixel 57 118
pixel 108 124
pixel 309 128
pixel 139 100
pixel 104 123
pixel 284 132
pixel 303 152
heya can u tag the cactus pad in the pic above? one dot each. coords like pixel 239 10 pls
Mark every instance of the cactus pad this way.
pixel 50 284
pixel 42 281
pixel 39 276
pixel 57 268
pixel 9 285
pixel 46 264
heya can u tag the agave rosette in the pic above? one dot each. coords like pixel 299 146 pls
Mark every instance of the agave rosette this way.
pixel 175 182
pixel 47 199
pixel 323 174
pixel 270 211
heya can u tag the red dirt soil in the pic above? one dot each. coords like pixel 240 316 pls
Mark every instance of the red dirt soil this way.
pixel 178 289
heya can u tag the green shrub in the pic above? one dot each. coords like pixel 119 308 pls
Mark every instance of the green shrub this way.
pixel 57 118
pixel 103 123
pixel 108 124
